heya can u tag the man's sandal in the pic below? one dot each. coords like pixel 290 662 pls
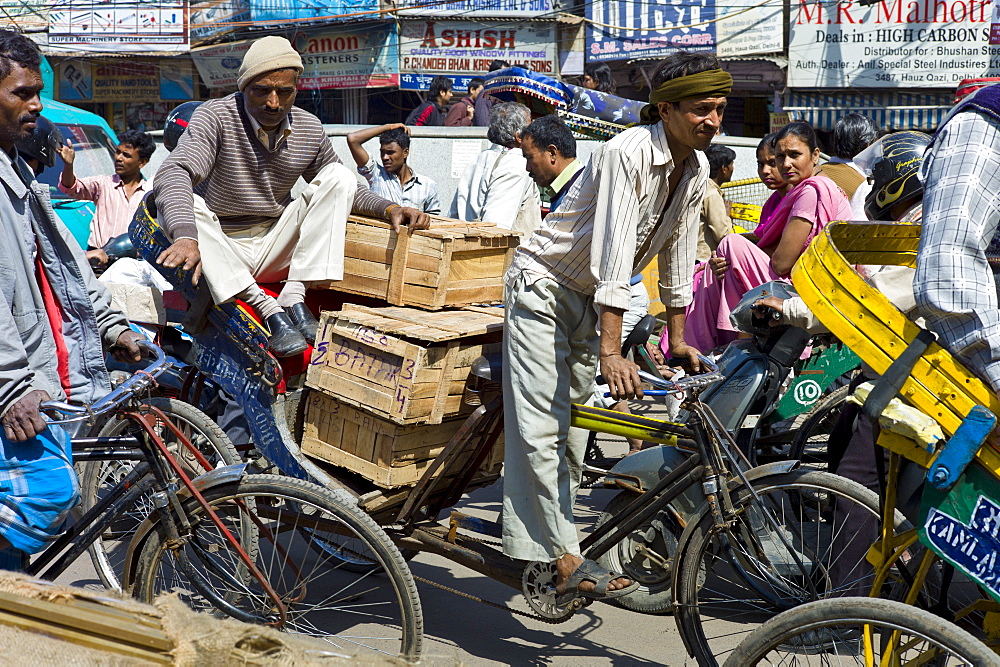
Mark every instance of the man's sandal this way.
pixel 591 571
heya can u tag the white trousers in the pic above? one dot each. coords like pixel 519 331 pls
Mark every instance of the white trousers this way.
pixel 306 243
pixel 550 356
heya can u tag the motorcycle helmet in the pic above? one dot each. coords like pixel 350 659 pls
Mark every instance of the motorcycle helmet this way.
pixel 177 122
pixel 893 165
pixel 43 144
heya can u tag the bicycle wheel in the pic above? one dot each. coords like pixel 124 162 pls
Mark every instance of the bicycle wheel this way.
pixel 98 478
pixel 646 555
pixel 377 610
pixel 812 439
pixel 860 631
pixel 721 593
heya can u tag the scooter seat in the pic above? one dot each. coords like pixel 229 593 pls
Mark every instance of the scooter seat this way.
pixel 488 367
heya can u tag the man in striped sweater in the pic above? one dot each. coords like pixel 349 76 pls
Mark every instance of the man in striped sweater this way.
pixel 224 197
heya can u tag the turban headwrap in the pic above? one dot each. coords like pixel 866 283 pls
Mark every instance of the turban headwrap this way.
pixel 712 83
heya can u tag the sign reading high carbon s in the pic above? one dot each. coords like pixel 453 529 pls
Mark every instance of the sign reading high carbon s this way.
pixel 462 50
pixel 891 44
pixel 330 58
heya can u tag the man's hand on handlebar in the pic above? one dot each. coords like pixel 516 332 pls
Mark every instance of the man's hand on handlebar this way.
pixel 621 376
pixel 126 348
pixel 688 356
pixel 772 308
pixel 24 421
pixel 410 217
pixel 185 254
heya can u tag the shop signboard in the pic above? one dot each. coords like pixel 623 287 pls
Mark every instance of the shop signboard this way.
pixel 747 27
pixel 462 50
pixel 891 44
pixel 277 11
pixel 331 59
pixel 468 9
pixel 995 27
pixel 631 30
pixel 132 81
pixel 217 17
pixel 120 26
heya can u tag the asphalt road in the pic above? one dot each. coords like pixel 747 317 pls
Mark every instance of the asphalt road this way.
pixel 458 630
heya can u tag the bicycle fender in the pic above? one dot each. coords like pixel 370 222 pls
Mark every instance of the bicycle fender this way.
pixel 773 468
pixel 217 477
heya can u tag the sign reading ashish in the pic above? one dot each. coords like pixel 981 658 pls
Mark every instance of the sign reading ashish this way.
pixel 462 50
pixel 893 43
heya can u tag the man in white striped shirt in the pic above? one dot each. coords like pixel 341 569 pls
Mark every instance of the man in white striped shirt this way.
pixel 638 198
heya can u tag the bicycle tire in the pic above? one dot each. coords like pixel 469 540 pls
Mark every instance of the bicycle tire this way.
pixel 811 442
pixel 660 535
pixel 280 506
pixel 827 631
pixel 706 580
pixel 100 477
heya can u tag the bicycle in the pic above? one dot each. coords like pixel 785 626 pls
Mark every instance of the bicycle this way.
pixel 253 547
pixel 861 631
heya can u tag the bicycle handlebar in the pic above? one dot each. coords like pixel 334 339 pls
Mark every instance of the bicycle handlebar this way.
pixel 709 376
pixel 664 387
pixel 137 383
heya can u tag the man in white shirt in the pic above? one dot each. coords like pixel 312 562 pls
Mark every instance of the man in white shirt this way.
pixel 638 198
pixel 498 188
pixel 852 134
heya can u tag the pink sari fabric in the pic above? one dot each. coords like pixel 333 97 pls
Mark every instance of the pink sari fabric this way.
pixel 708 325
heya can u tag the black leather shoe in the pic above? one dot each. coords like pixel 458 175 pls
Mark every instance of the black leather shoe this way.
pixel 285 339
pixel 303 320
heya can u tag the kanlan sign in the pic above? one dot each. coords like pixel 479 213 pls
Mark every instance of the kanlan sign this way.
pixel 891 44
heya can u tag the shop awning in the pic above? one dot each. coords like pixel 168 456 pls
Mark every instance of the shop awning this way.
pixel 891 110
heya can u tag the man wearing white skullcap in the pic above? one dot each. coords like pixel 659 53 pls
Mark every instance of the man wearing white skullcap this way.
pixel 224 197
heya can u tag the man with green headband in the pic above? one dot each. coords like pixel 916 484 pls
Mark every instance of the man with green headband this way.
pixel 638 198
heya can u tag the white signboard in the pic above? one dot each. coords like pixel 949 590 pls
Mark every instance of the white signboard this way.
pixel 121 26
pixel 746 27
pixel 891 44
pixel 464 49
pixel 475 8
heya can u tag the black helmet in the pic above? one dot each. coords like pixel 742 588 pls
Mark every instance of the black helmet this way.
pixel 43 144
pixel 893 164
pixel 177 122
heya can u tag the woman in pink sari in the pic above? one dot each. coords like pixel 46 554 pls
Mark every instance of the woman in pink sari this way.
pixel 739 265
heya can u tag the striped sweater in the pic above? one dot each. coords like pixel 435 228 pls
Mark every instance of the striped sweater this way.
pixel 220 158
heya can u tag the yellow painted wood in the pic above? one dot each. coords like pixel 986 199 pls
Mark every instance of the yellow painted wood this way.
pixel 867 322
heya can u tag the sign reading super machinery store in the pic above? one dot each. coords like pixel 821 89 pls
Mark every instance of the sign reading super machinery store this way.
pixel 331 59
pixel 891 44
pixel 462 50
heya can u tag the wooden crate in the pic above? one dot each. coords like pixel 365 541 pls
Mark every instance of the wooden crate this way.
pixel 405 365
pixel 453 263
pixel 386 453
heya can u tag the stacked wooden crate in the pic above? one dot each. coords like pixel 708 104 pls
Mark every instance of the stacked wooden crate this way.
pixel 387 382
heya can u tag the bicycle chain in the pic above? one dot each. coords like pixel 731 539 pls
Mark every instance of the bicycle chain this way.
pixel 490 603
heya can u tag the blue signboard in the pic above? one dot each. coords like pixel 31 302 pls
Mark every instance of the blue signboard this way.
pixel 284 10
pixel 652 29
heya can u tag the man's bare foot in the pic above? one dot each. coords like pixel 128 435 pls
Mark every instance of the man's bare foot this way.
pixel 566 566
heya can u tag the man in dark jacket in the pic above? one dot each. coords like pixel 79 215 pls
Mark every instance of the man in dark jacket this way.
pixel 461 114
pixel 57 321
pixel 485 102
pixel 435 109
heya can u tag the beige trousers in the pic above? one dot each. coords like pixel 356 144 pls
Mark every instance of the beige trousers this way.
pixel 306 243
pixel 550 358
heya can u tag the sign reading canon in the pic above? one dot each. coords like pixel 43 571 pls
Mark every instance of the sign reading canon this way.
pixel 330 58
pixel 891 44
pixel 462 50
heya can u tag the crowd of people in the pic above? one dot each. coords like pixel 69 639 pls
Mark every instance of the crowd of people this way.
pixel 653 192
